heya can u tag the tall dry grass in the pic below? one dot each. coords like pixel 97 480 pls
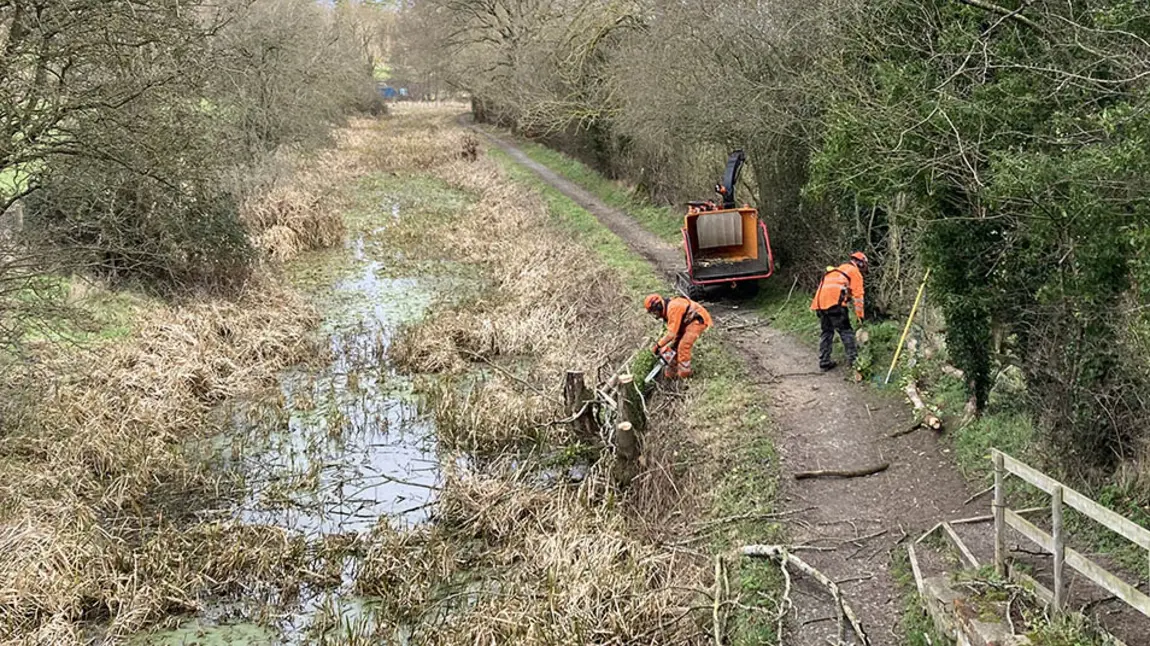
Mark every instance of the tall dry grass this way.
pixel 97 472
pixel 519 554
pixel 97 444
pixel 297 203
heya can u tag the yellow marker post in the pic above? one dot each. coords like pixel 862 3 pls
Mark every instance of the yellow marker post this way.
pixel 906 329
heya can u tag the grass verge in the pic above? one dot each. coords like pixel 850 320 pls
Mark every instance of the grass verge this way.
pixel 611 249
pixel 663 221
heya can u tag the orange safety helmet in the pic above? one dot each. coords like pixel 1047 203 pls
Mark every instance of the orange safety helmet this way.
pixel 654 304
pixel 861 258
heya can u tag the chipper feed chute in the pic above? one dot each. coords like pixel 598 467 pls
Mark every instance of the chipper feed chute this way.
pixel 724 244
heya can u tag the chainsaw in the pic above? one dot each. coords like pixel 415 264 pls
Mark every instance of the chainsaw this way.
pixel 661 362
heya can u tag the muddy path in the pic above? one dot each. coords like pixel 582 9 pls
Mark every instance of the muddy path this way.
pixel 850 527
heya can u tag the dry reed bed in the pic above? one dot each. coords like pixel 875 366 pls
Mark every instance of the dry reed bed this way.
pixel 516 557
pixel 86 533
pixel 300 205
pixel 98 479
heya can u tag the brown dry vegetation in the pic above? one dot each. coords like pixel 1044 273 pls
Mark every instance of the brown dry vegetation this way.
pixel 101 477
pixel 519 554
pixel 100 530
pixel 301 203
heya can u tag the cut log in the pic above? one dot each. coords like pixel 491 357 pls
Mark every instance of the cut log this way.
pixel 843 473
pixel 929 419
pixel 780 554
pixel 579 403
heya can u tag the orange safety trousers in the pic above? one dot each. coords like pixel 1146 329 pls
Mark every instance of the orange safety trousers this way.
pixel 681 367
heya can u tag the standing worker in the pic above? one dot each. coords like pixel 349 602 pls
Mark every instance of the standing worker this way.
pixel 839 286
pixel 686 320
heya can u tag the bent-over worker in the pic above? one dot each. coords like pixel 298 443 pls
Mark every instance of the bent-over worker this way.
pixel 686 320
pixel 840 285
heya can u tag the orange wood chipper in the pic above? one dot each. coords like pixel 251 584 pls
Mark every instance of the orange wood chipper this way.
pixel 725 244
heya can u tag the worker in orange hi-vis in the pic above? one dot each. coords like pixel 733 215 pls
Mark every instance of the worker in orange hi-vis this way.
pixel 839 287
pixel 686 320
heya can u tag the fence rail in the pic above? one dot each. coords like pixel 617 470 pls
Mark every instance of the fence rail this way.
pixel 1055 543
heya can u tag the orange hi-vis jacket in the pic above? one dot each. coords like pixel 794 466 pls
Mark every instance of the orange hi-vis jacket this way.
pixel 840 286
pixel 682 312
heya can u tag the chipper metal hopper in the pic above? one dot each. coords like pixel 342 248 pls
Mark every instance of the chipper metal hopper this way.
pixel 725 245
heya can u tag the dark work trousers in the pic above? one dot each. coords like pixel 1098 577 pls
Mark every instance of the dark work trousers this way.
pixel 836 318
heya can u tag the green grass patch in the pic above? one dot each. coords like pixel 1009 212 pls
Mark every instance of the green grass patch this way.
pixel 663 221
pixel 1011 432
pixel 76 310
pixel 745 490
pixel 916 625
pixel 13 181
pixel 637 273
pixel 1070 630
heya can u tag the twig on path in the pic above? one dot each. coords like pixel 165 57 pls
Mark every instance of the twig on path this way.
pixel 819 620
pixel 978 495
pixel 788 300
pixel 812 548
pixel 843 473
pixel 851 579
pixel 752 324
pixel 905 431
pixel 750 516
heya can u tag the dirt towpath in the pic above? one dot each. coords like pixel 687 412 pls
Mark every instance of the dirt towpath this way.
pixel 824 422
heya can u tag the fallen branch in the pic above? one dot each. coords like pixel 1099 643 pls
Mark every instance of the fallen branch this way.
pixel 905 431
pixel 843 473
pixel 929 419
pixel 788 300
pixel 978 495
pixel 913 558
pixel 1012 14
pixel 745 326
pixel 717 622
pixel 781 555
pixel 510 375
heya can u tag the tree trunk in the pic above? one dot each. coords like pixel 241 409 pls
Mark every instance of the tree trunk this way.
pixel 626 446
pixel 631 407
pixel 580 405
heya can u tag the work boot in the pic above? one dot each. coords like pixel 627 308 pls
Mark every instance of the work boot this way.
pixel 827 366
pixel 684 370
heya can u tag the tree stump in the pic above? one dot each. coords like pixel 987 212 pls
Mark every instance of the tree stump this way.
pixel 580 405
pixel 626 447
pixel 631 407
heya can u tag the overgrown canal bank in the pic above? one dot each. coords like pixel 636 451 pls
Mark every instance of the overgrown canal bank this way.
pixel 374 454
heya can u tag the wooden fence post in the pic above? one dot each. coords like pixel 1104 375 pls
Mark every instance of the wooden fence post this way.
pixel 999 517
pixel 1059 550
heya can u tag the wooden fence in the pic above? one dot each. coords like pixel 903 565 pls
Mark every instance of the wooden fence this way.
pixel 1055 543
